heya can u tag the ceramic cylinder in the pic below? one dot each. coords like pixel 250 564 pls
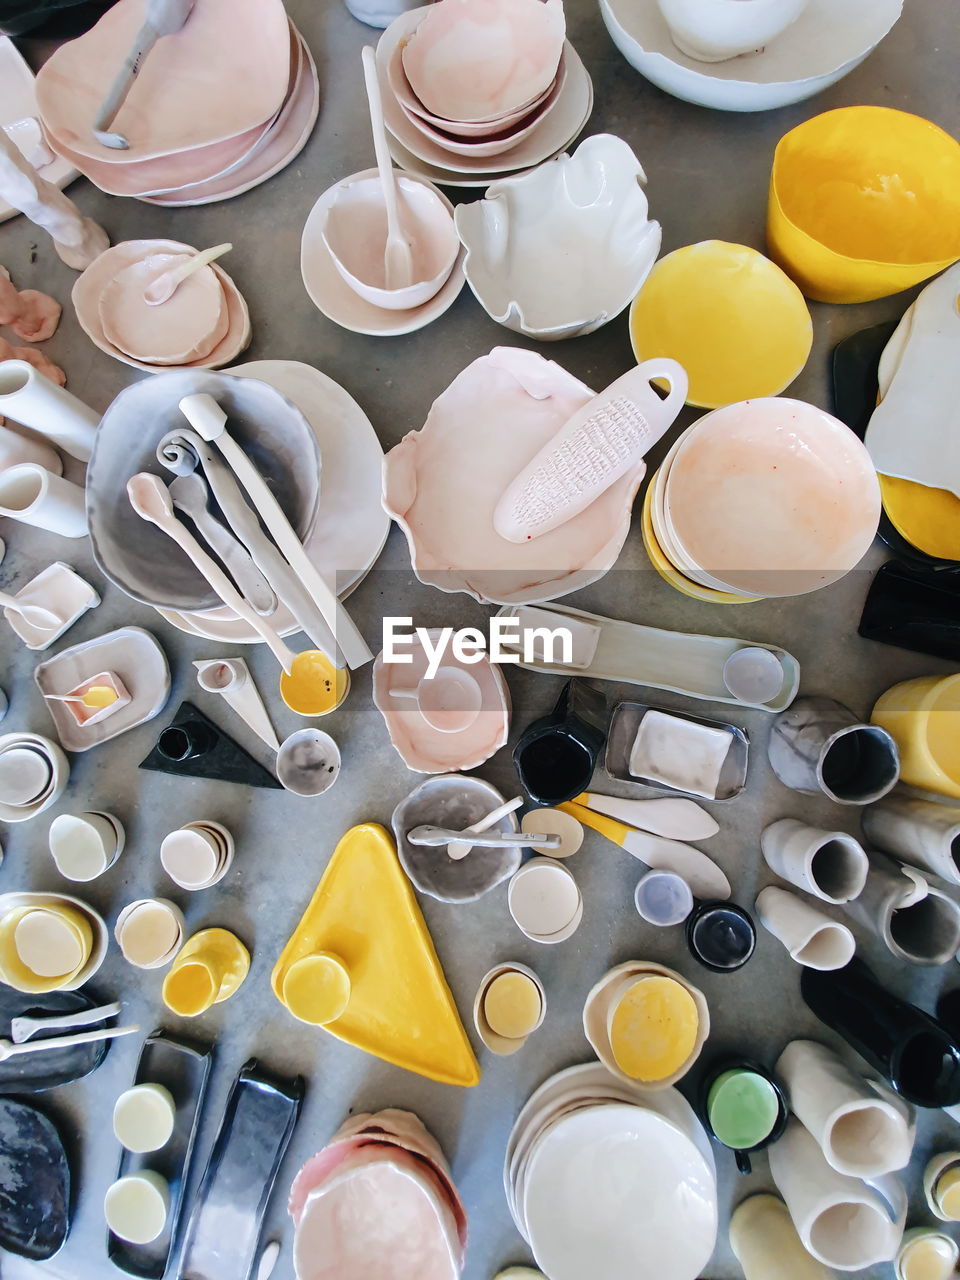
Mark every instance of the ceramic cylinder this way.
pixel 715 30
pixel 28 397
pixel 911 1050
pixel 16 448
pixel 819 747
pixel 811 937
pixel 845 1223
pixel 765 1243
pixel 557 754
pixel 863 1129
pixel 915 919
pixel 830 865
pixel 924 717
pixel 379 13
pixel 921 832
pixel 36 497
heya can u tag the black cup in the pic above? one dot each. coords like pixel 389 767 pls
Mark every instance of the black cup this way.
pixel 721 936
pixel 916 1053
pixel 557 754
pixel 707 1081
pixel 186 741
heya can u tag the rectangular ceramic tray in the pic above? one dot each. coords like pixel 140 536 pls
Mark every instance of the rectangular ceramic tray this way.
pixel 678 661
pixel 227 1218
pixel 622 733
pixel 183 1069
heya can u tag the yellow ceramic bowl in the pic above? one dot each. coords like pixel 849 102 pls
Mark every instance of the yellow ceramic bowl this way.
pixel 929 519
pixel 864 202
pixel 924 717
pixel 669 572
pixel 736 323
pixel 12 969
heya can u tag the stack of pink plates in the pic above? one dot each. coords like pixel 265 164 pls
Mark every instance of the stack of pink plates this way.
pixel 378 1200
pixel 475 89
pixel 218 107
pixel 767 497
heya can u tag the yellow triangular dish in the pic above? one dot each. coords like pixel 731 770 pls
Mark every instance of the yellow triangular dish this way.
pixel 399 1008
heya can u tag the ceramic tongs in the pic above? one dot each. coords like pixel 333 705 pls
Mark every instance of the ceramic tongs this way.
pixel 163 18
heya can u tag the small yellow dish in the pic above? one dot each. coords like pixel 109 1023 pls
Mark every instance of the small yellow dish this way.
pixel 316 989
pixel 668 571
pixel 209 968
pixel 736 323
pixel 929 519
pixel 18 975
pixel 864 202
pixel 314 687
pixel 653 1028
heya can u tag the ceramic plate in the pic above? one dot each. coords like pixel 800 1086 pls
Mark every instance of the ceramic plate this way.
pixel 622 734
pixel 333 296
pixel 351 526
pixel 130 653
pixel 36 1072
pixel 18 101
pixel 35 1187
pixel 101 938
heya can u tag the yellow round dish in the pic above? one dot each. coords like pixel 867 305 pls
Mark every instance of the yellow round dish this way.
pixel 653 1029
pixel 316 989
pixel 864 202
pixel 314 687
pixel 208 969
pixel 736 323
pixel 512 1005
pixel 668 571
pixel 18 975
pixel 924 717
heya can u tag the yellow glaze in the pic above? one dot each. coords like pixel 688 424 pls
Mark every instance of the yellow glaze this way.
pixel 926 1255
pixel 209 968
pixel 400 1009
pixel 18 975
pixel 924 717
pixel 653 1029
pixel 863 203
pixel 929 519
pixel 766 1244
pixel 316 989
pixel 99 696
pixel 512 1005
pixel 948 1193
pixel 314 686
pixel 736 323
pixel 669 573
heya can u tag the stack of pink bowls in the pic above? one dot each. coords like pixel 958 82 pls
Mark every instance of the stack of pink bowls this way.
pixel 764 498
pixel 217 108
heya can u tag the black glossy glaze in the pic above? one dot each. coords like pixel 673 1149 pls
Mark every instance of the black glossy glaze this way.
pixel 557 754
pixel 914 608
pixel 34 1183
pixel 35 1072
pixel 721 936
pixel 192 746
pixel 717 1068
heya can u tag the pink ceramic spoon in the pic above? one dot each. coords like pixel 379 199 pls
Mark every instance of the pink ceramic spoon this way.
pixel 165 285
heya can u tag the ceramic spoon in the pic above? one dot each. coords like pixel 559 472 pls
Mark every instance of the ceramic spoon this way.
pixel 398 258
pixel 190 495
pixel 98 696
pixel 167 283
pixel 163 18
pixel 22 1029
pixel 151 501
pixel 432 836
pixel 268 1260
pixel 39 617
pixel 676 819
pixel 459 848
pixel 9 1050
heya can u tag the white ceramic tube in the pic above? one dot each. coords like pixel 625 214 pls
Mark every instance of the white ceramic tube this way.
pixel 842 1221
pixel 916 920
pixel 920 832
pixel 15 448
pixel 33 496
pixel 28 397
pixel 863 1129
pixel 766 1244
pixel 812 938
pixel 831 865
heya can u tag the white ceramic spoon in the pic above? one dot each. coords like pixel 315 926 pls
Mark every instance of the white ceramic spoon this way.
pixel 398 257
pixel 23 1029
pixel 166 284
pixel 458 849
pixel 676 819
pixel 268 1260
pixel 10 1050
pixel 190 495
pixel 39 617
pixel 431 837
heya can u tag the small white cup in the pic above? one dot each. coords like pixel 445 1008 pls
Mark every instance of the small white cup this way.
pixel 812 938
pixel 149 932
pixel 831 865
pixel 715 30
pixel 37 497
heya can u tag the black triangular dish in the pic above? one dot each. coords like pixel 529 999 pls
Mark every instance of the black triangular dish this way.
pixel 224 760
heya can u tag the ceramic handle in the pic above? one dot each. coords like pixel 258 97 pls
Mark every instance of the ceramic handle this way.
pixel 672 372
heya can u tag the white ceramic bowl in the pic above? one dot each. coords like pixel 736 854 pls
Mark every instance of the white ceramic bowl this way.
pixel 59 776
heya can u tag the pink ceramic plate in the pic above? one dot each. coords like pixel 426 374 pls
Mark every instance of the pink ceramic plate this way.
pixel 89 286
pixel 442 483
pixel 772 497
pixel 210 81
pixel 428 750
pixel 281 144
pixel 412 105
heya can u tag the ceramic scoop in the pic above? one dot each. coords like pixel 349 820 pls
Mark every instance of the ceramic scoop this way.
pixel 594 449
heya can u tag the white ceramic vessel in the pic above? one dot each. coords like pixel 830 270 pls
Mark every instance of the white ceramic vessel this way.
pixel 62 591
pixel 810 936
pixel 28 397
pixel 44 500
pixel 922 832
pixel 830 865
pixel 714 30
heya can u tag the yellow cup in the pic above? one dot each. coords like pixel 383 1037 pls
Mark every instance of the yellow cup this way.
pixel 208 969
pixel 18 975
pixel 863 203
pixel 924 717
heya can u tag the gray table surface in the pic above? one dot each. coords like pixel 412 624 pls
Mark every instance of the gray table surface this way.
pixel 708 174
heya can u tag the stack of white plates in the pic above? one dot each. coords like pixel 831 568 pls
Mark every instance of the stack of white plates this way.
pixel 606 1181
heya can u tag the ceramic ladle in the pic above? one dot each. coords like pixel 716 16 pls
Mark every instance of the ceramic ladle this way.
pixel 37 616
pixel 168 282
pixel 190 495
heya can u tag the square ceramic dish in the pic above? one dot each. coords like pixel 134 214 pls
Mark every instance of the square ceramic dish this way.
pixel 624 725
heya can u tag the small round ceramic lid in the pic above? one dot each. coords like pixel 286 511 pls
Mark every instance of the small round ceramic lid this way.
pixel 316 988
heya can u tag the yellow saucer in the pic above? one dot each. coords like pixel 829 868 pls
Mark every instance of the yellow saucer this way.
pixel 668 571
pixel 231 955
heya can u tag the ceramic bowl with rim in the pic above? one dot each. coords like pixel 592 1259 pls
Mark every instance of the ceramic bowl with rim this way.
pixel 58 775
pixel 456 802
pixel 863 203
pixel 825 43
pixel 100 938
pixel 561 250
pixel 668 571
pixel 133 553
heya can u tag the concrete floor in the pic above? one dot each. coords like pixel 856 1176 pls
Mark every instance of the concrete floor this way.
pixel 708 176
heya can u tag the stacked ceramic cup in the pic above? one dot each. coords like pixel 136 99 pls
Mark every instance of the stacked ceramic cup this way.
pixel 764 498
pixel 510 1005
pixel 197 855
pixel 216 135
pixel 85 845
pixel 48 942
pixel 478 89
pixel 545 901
pixel 150 932
pixel 33 774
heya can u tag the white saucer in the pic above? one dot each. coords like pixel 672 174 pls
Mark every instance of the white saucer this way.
pixel 18 101
pixel 333 296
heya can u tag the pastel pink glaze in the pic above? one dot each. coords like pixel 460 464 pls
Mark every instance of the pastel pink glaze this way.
pixel 479 59
pixel 185 328
pixel 31 315
pixel 443 482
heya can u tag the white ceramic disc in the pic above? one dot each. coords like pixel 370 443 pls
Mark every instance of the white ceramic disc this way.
pixel 143 1118
pixel 47 945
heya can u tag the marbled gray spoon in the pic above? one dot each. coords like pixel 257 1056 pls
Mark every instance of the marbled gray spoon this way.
pixel 191 495
pixel 182 452
pixel 432 836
